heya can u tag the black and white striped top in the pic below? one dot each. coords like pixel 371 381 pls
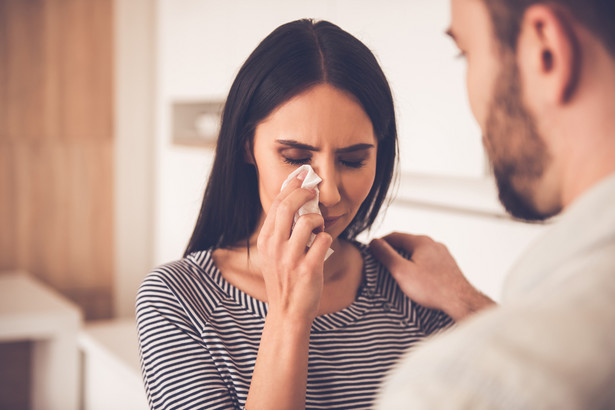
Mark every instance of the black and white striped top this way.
pixel 199 337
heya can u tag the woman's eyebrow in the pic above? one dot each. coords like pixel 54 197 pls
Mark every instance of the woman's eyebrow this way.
pixel 353 148
pixel 299 145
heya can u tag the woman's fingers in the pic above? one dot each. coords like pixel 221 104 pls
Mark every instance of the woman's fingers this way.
pixel 270 221
pixel 317 252
pixel 286 210
pixel 293 282
pixel 304 227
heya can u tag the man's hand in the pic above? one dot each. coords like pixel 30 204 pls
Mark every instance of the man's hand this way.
pixel 431 277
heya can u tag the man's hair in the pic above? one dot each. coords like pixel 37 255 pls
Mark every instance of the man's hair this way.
pixel 293 58
pixel 598 16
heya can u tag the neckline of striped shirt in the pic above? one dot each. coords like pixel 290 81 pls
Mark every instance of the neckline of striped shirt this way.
pixel 371 293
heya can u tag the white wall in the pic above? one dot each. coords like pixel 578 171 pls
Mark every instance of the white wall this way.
pixel 201 45
pixel 134 28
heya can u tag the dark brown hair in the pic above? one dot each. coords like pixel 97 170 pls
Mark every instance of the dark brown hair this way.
pixel 294 57
pixel 598 16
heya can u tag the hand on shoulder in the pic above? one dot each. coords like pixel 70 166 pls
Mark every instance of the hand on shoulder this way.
pixel 431 276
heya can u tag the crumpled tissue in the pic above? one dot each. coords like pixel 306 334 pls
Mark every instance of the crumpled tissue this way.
pixel 310 207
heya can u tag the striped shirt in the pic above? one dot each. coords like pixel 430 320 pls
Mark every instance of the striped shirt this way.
pixel 199 337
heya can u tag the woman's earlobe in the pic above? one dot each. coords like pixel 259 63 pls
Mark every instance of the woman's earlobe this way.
pixel 248 155
pixel 248 158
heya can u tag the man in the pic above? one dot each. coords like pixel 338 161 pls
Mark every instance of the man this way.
pixel 541 84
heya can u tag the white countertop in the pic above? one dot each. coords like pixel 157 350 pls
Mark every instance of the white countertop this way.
pixel 115 338
pixel 31 310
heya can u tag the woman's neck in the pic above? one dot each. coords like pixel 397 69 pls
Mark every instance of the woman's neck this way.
pixel 240 266
pixel 335 267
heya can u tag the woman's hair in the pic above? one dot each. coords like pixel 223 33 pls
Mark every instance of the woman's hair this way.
pixel 294 57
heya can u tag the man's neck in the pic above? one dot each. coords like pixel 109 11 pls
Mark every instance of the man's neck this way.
pixel 587 169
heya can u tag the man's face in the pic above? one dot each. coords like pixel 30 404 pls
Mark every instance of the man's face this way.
pixel 515 149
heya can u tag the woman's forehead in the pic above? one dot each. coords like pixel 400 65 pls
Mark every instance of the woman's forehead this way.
pixel 321 115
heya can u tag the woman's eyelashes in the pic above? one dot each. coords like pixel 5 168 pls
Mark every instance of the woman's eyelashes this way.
pixel 346 162
pixel 357 163
pixel 296 161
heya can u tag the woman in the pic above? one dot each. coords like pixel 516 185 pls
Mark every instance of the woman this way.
pixel 251 316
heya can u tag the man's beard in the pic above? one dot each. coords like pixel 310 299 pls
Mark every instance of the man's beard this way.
pixel 516 151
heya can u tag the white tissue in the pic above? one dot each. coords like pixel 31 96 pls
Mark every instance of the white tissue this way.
pixel 311 207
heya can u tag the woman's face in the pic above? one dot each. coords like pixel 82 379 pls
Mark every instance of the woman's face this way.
pixel 329 130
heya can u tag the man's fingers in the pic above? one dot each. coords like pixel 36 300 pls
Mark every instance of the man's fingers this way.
pixel 388 256
pixel 406 241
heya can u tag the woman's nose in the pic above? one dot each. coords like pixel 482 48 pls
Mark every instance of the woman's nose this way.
pixel 329 187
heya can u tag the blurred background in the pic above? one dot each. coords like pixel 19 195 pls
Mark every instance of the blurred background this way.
pixel 108 117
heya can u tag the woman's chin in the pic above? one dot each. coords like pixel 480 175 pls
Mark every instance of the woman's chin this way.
pixel 335 245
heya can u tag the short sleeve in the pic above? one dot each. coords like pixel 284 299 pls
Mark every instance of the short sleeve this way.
pixel 178 370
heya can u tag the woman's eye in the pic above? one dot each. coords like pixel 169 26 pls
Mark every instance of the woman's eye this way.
pixel 353 163
pixel 296 161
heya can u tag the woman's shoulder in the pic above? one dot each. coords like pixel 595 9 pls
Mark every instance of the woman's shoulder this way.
pixel 372 264
pixel 377 279
pixel 386 286
pixel 181 278
pixel 190 265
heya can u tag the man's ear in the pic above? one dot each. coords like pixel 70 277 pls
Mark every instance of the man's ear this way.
pixel 548 54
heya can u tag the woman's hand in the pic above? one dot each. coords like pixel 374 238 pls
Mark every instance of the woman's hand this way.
pixel 431 277
pixel 293 277
pixel 292 272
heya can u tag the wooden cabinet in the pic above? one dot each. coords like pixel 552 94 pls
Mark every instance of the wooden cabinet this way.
pixel 56 146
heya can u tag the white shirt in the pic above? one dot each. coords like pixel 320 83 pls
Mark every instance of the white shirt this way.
pixel 550 345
